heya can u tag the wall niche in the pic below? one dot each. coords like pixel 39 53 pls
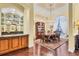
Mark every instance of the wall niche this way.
pixel 11 21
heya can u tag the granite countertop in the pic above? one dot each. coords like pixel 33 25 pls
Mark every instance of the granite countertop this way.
pixel 13 35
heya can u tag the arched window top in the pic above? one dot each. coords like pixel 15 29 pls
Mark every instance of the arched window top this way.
pixel 11 11
pixel 8 10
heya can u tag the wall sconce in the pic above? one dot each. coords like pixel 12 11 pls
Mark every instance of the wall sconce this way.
pixel 77 24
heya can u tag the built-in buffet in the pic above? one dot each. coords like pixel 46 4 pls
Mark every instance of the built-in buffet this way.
pixel 11 43
pixel 12 35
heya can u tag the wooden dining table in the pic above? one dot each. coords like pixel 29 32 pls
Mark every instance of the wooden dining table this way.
pixel 53 47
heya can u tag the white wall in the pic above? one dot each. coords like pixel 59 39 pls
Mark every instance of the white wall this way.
pixel 63 11
pixel 41 11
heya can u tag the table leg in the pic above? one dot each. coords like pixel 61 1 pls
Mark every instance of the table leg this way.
pixel 39 50
pixel 55 52
pixel 34 49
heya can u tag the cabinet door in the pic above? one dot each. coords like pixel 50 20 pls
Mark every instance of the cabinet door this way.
pixel 4 45
pixel 24 41
pixel 15 42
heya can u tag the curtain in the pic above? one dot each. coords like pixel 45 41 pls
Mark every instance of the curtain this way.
pixel 61 24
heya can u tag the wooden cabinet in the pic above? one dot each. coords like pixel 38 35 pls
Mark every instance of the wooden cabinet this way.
pixel 77 42
pixel 4 45
pixel 20 42
pixel 15 42
pixel 40 29
pixel 9 44
pixel 24 41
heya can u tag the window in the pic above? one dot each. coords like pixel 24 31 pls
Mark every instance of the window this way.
pixel 61 25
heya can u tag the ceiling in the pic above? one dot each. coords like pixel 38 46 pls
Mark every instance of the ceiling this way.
pixel 51 5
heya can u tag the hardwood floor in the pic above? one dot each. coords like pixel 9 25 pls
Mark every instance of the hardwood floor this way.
pixel 29 52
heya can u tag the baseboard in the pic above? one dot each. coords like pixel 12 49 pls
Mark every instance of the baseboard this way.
pixel 30 46
pixel 71 50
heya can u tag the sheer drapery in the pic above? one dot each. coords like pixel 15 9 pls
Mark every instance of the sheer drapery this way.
pixel 61 25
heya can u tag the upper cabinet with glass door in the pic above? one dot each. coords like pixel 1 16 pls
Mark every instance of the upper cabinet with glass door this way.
pixel 11 21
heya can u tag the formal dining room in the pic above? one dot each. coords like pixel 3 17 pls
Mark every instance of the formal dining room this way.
pixel 39 29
